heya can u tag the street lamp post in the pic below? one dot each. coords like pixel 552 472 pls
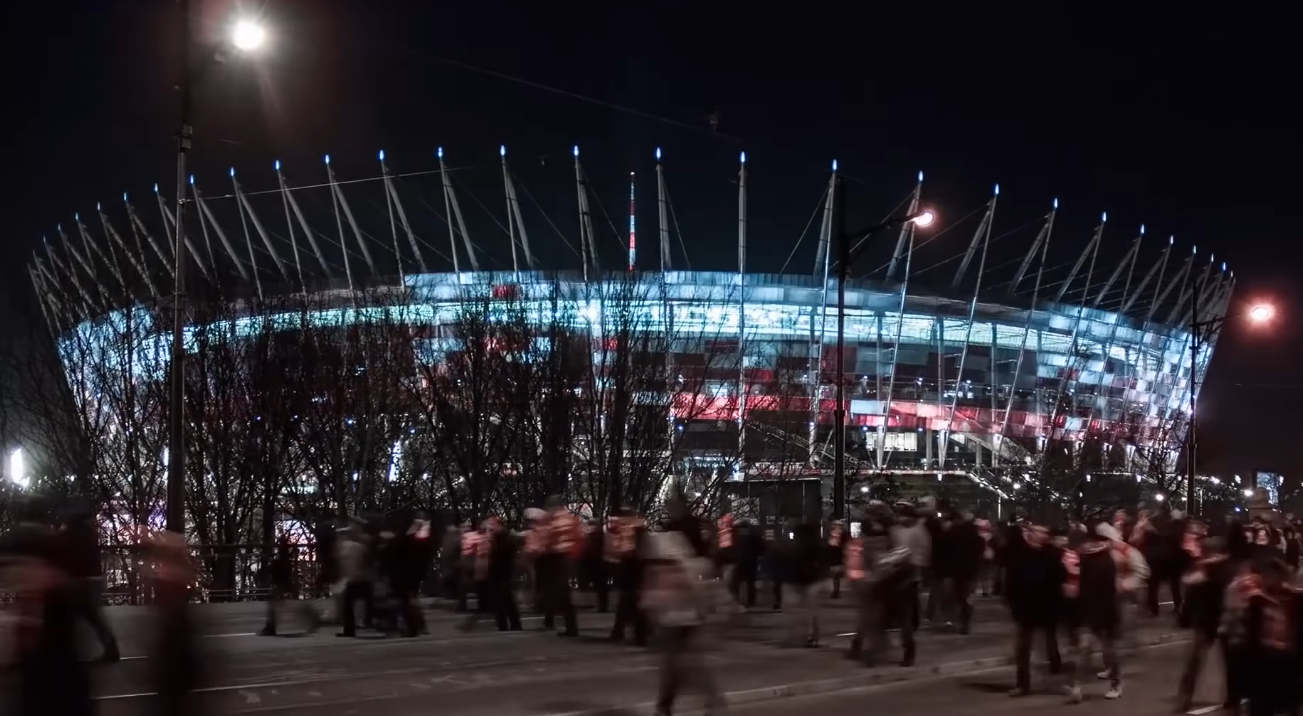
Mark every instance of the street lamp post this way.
pixel 246 36
pixel 1260 313
pixel 847 253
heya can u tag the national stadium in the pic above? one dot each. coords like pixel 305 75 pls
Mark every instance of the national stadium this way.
pixel 962 370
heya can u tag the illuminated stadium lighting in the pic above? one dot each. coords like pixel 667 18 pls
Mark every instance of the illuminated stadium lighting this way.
pixel 1262 313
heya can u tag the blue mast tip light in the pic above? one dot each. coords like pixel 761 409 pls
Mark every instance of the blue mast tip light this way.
pixel 439 152
pixel 1142 229
pixel 574 150
pixel 997 190
pixel 1103 218
pixel 156 187
pixel 192 180
pixel 502 150
pixel 124 196
pixel 1056 204
pixel 277 165
pixel 232 172
pixel 1194 249
pixel 658 154
pixel 1223 267
pixel 1171 241
pixel 382 155
pixel 327 160
pixel 834 165
pixel 76 217
pixel 743 157
pixel 920 176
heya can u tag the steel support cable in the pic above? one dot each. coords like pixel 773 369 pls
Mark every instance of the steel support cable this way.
pixel 818 209
pixel 934 237
pixel 1001 237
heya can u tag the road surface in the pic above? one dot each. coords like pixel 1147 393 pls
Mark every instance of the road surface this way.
pixel 531 673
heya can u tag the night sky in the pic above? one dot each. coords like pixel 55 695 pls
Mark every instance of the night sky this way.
pixel 1182 118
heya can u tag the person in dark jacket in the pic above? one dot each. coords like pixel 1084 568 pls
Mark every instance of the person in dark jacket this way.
pixel 1034 593
pixel 284 587
pixel 1090 582
pixel 1206 585
pixel 50 676
pixel 965 548
pixel 81 548
pixel 749 544
pixel 803 569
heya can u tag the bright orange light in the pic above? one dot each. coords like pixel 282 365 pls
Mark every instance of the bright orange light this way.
pixel 925 219
pixel 1262 313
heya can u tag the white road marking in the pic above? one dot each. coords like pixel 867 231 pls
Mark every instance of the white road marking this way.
pixel 1205 710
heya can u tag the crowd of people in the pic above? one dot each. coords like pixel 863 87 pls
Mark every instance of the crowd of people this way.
pixel 898 566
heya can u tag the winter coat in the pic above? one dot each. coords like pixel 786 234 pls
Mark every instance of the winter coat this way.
pixel 918 540
pixel 1098 604
pixel 1034 583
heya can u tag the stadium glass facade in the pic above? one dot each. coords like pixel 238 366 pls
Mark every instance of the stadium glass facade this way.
pixel 917 379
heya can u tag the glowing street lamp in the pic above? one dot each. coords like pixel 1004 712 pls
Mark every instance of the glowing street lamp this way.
pixel 848 253
pixel 1262 313
pixel 248 35
pixel 18 469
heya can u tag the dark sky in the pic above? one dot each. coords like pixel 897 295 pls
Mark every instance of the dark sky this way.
pixel 1177 116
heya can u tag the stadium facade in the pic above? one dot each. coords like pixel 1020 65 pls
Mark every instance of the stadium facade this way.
pixel 961 376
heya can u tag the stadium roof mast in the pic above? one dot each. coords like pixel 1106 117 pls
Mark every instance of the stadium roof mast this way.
pixel 633 237
pixel 983 237
pixel 1129 263
pixel 339 228
pixel 395 206
pixel 819 318
pixel 588 247
pixel 206 212
pixel 340 202
pixel 904 249
pixel 138 229
pixel 452 210
pixel 741 300
pixel 247 209
pixel 1042 243
pixel 1157 269
pixel 85 303
pixel 100 290
pixel 663 215
pixel 136 259
pixel 169 226
pixel 110 260
pixel 906 235
pixel 292 204
pixel 514 222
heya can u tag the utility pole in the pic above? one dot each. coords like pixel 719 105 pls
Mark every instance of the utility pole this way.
pixel 1191 443
pixel 176 450
pixel 839 413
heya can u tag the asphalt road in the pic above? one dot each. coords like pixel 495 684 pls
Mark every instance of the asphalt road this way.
pixel 1149 683
pixel 486 672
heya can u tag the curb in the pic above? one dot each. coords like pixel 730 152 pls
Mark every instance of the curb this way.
pixel 875 677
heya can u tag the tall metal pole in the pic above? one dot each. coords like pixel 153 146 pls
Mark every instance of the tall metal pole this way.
pixel 839 413
pixel 1191 445
pixel 176 413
